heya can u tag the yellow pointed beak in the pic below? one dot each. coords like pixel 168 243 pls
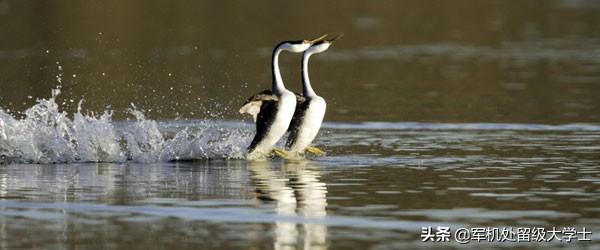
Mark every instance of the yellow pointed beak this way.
pixel 317 39
pixel 335 38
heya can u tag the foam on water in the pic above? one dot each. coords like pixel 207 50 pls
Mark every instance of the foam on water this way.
pixel 48 135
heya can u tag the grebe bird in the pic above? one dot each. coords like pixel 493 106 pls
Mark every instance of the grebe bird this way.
pixel 273 109
pixel 310 108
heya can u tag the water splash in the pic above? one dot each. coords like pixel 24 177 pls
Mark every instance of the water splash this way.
pixel 144 140
pixel 48 135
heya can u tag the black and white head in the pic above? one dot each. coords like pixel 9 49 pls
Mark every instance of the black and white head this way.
pixel 300 45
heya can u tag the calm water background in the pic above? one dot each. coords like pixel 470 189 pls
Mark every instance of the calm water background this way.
pixel 458 61
pixel 456 113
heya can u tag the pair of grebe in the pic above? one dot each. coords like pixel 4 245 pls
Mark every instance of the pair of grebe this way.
pixel 279 110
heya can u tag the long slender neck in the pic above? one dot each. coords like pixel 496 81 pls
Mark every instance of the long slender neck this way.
pixel 277 86
pixel 307 89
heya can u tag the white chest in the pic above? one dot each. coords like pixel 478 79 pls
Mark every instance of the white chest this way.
pixel 283 117
pixel 310 125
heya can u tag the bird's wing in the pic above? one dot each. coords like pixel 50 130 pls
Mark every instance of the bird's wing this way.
pixel 265 118
pixel 253 105
pixel 299 98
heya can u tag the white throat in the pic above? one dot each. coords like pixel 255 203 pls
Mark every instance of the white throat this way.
pixel 307 88
pixel 278 88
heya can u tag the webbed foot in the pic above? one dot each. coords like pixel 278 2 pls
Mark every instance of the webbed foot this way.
pixel 315 151
pixel 281 153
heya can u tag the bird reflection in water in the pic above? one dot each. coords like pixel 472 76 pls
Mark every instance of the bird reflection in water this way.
pixel 296 190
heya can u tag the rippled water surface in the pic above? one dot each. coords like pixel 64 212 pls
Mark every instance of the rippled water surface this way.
pixel 380 183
